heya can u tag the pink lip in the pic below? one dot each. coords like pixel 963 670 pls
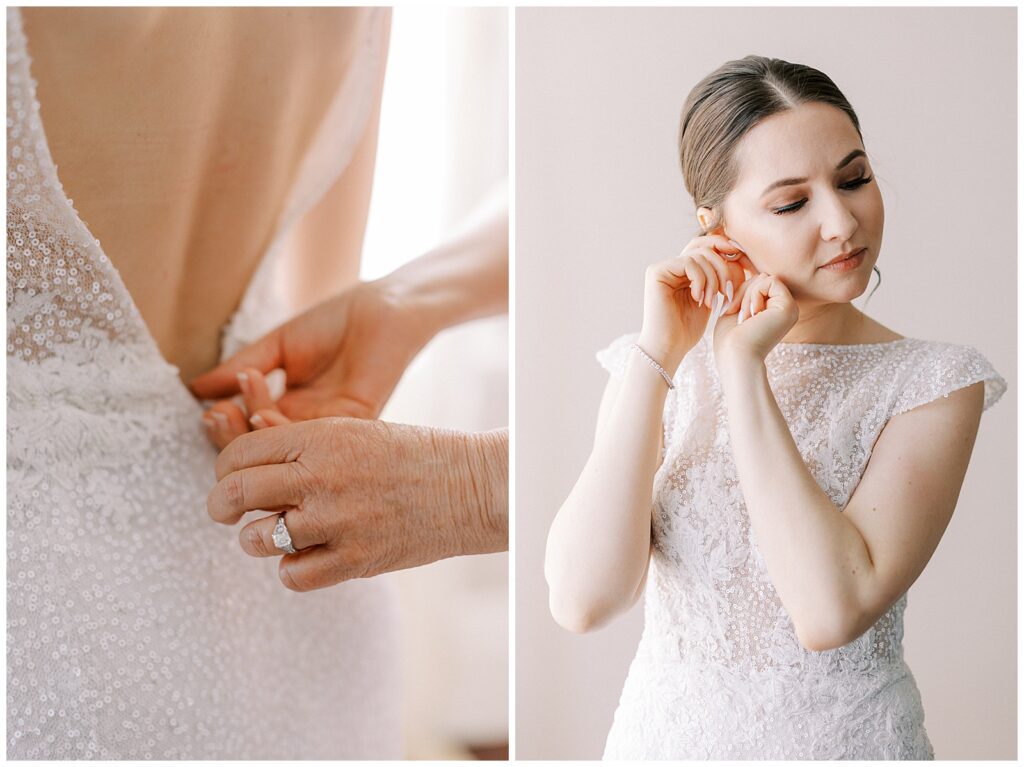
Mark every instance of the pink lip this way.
pixel 848 263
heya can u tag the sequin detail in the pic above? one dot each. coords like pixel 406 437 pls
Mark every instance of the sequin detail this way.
pixel 719 672
pixel 136 626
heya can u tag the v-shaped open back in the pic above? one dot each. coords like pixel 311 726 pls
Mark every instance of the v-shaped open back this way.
pixel 137 627
pixel 60 279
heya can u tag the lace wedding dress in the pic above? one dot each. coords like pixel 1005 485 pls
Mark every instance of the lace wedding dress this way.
pixel 719 672
pixel 137 627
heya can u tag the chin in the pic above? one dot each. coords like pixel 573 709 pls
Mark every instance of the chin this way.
pixel 841 293
pixel 854 289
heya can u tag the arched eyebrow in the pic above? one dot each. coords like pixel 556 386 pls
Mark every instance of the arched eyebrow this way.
pixel 791 181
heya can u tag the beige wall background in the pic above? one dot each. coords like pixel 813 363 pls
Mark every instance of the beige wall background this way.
pixel 444 148
pixel 599 196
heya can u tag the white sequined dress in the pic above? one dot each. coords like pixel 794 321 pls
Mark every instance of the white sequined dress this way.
pixel 136 627
pixel 719 672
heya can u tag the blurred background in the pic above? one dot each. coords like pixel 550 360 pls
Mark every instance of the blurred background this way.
pixel 443 146
pixel 599 196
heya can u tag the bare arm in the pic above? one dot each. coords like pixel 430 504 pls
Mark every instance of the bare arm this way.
pixel 328 240
pixel 598 548
pixel 599 544
pixel 837 571
pixel 464 278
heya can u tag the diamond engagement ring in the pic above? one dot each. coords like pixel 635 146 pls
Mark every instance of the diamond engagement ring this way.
pixel 282 539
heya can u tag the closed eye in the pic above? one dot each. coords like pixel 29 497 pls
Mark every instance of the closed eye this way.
pixel 857 183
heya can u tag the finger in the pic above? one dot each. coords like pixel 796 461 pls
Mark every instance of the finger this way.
pixel 698 279
pixel 263 447
pixel 257 537
pixel 264 355
pixel 264 419
pixel 720 265
pixel 732 252
pixel 745 262
pixel 743 302
pixel 729 273
pixel 255 488
pixel 729 249
pixel 757 302
pixel 757 295
pixel 255 392
pixel 777 290
pixel 314 568
pixel 712 277
pixel 229 422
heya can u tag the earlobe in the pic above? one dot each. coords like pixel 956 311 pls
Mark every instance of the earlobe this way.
pixel 703 218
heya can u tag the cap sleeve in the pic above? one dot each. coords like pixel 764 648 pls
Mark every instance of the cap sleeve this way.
pixel 942 369
pixel 614 357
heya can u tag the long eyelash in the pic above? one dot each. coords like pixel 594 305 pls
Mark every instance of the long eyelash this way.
pixel 851 185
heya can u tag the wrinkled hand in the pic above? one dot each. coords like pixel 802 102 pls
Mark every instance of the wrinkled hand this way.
pixel 767 311
pixel 363 497
pixel 343 357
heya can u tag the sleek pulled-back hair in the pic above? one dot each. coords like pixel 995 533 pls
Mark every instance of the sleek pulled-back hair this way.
pixel 730 101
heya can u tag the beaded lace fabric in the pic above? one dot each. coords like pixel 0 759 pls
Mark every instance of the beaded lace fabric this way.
pixel 137 627
pixel 719 672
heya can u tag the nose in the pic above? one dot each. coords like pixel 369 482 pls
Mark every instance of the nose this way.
pixel 838 222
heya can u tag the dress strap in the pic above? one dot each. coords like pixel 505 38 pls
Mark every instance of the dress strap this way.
pixel 60 283
pixel 265 304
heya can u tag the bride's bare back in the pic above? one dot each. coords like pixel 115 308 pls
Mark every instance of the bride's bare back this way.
pixel 178 133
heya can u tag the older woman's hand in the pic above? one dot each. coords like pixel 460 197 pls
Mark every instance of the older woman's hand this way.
pixel 364 497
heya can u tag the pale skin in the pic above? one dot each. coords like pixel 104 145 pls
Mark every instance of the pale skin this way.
pixel 362 497
pixel 179 145
pixel 836 571
pixel 180 142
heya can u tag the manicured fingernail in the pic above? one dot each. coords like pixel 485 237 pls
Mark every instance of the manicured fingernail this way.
pixel 728 292
pixel 709 296
pixel 735 245
pixel 221 419
pixel 257 421
pixel 693 292
pixel 243 382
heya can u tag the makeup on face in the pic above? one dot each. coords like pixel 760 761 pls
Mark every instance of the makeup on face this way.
pixel 847 264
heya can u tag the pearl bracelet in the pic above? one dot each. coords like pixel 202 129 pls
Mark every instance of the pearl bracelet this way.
pixel 659 368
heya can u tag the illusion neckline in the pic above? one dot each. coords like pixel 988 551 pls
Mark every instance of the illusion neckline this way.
pixel 872 345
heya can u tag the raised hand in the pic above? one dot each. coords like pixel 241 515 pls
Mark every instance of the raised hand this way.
pixel 679 294
pixel 766 312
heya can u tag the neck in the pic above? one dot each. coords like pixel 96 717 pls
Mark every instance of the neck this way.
pixel 825 324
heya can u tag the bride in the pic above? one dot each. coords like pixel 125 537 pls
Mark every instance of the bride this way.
pixel 772 468
pixel 138 629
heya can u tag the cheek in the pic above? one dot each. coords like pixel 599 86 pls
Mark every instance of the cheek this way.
pixel 872 211
pixel 788 252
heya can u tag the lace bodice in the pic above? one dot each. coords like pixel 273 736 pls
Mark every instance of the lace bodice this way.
pixel 137 628
pixel 716 636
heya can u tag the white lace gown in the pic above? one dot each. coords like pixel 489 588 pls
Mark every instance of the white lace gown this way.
pixel 137 627
pixel 719 672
